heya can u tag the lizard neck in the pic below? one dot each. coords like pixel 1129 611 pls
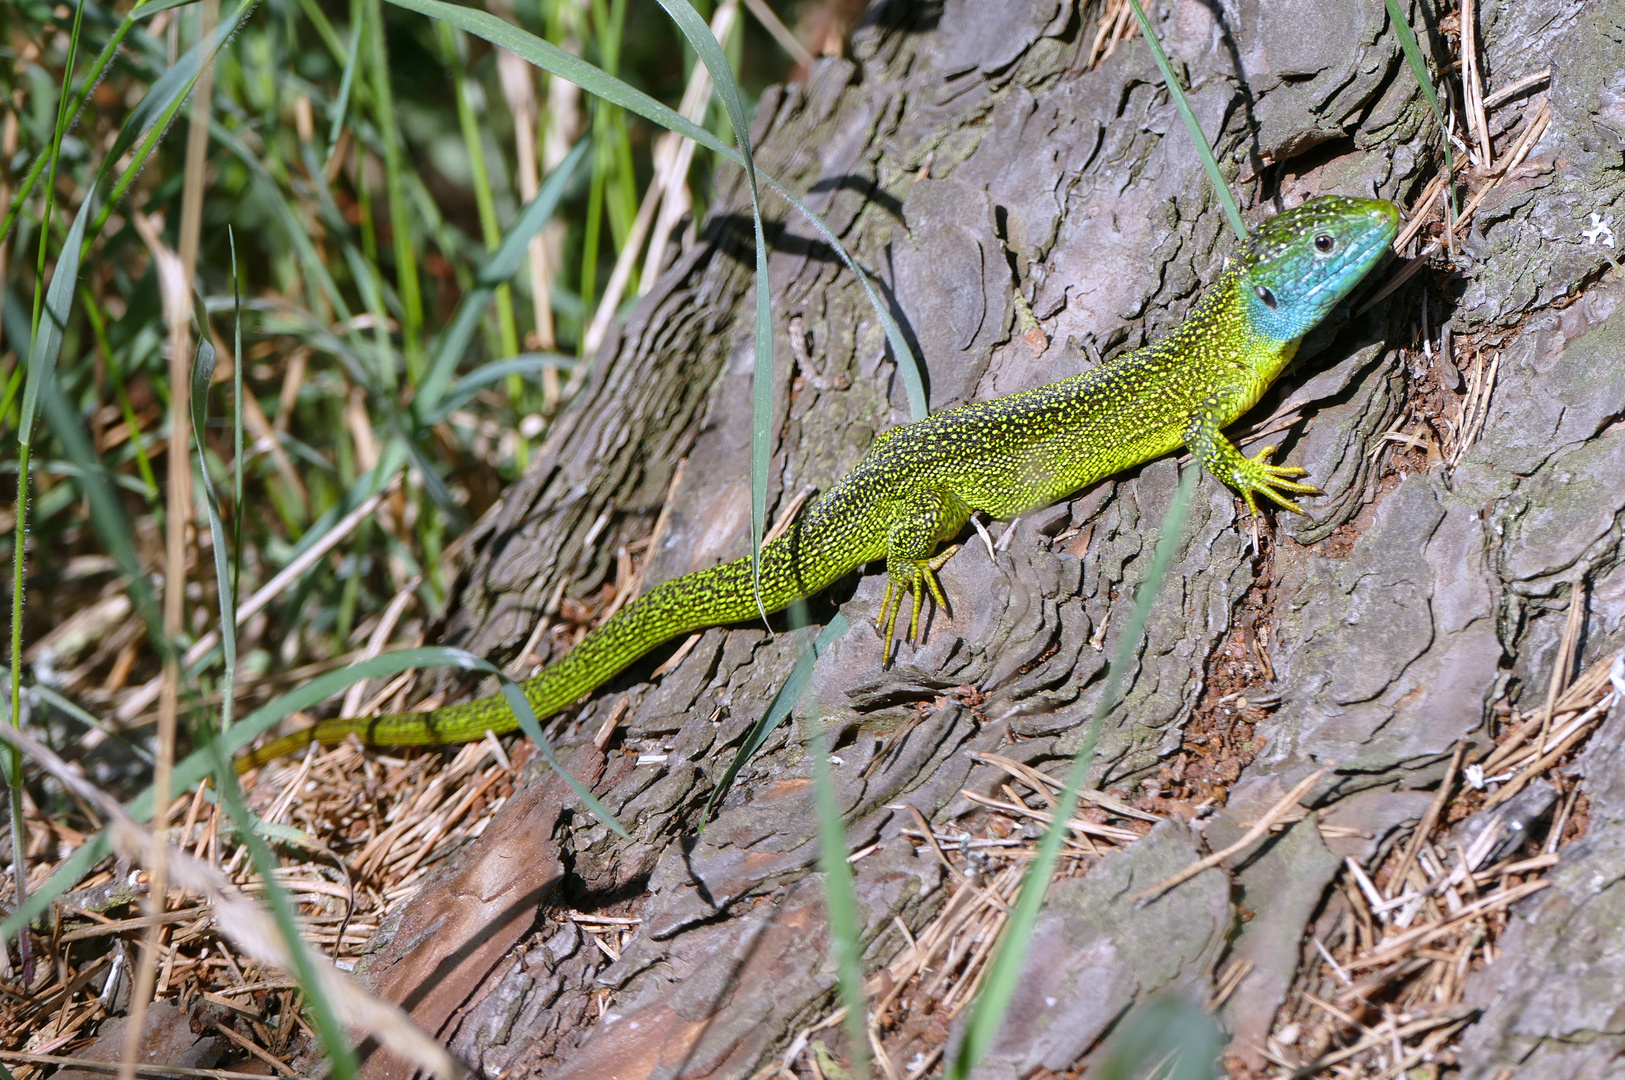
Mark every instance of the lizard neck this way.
pixel 1223 343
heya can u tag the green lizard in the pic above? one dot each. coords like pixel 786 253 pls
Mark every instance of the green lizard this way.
pixel 919 484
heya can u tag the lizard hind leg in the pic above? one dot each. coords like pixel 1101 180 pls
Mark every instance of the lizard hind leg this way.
pixel 918 525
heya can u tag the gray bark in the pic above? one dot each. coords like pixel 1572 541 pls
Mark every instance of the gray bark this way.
pixel 962 152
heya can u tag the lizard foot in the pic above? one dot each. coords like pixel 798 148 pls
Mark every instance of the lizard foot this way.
pixel 1256 476
pixel 917 576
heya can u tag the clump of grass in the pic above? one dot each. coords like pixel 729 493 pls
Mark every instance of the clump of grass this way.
pixel 378 350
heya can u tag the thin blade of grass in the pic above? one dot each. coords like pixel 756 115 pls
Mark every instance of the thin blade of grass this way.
pixel 340 1057
pixel 778 709
pixel 236 423
pixel 341 104
pixel 107 516
pixel 709 50
pixel 455 46
pixel 1419 69
pixel 328 1028
pixel 841 901
pixel 1221 189
pixel 92 78
pixel 556 61
pixel 152 116
pixel 406 266
pixel 47 344
pixel 150 8
pixel 153 113
pixel 68 707
pixel 465 388
pixel 501 266
pixel 1167 1026
pixel 40 372
pixel 202 378
pixel 987 1013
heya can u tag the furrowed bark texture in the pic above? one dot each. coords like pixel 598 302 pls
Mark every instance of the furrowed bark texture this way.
pixel 962 151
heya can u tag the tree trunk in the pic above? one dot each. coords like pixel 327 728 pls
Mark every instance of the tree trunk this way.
pixel 965 152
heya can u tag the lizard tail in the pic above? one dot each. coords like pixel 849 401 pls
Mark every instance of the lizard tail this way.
pixel 721 594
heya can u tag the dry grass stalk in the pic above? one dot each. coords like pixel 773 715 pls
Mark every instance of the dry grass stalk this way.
pixel 1275 813
pixel 1429 820
pixel 246 924
pixel 1478 124
pixel 1117 25
pixel 673 156
pixel 157 1072
pixel 1564 664
pixel 939 969
pixel 137 702
pixel 176 274
pixel 1416 926
pixel 1536 118
pixel 1077 825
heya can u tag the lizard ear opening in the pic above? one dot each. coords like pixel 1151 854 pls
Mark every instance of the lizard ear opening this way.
pixel 1264 294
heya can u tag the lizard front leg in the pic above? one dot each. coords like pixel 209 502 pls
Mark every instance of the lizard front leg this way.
pixel 919 523
pixel 1251 476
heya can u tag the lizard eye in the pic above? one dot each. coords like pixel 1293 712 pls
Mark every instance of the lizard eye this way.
pixel 1265 295
pixel 1325 244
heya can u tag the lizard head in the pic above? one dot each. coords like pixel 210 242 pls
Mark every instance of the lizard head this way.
pixel 1300 263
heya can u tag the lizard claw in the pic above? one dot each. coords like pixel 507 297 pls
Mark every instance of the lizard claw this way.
pixel 911 576
pixel 1258 477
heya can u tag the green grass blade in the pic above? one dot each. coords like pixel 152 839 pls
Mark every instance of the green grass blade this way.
pixel 335 1041
pixel 454 46
pixel 107 516
pixel 987 1013
pixel 533 728
pixel 153 113
pixel 501 266
pixel 465 388
pixel 202 379
pixel 150 8
pixel 92 77
pixel 68 873
pixel 556 61
pixel 778 709
pixel 406 264
pixel 709 50
pixel 1419 69
pixel 341 104
pixel 151 118
pixel 1221 188
pixel 841 899
pixel 236 429
pixel 68 707
pixel 40 371
pixel 47 344
pixel 1167 1027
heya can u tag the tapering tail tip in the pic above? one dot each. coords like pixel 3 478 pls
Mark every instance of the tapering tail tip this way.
pixel 262 755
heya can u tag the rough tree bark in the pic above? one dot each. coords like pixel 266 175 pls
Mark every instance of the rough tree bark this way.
pixel 964 152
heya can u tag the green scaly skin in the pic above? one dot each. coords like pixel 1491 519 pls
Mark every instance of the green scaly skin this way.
pixel 919 485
